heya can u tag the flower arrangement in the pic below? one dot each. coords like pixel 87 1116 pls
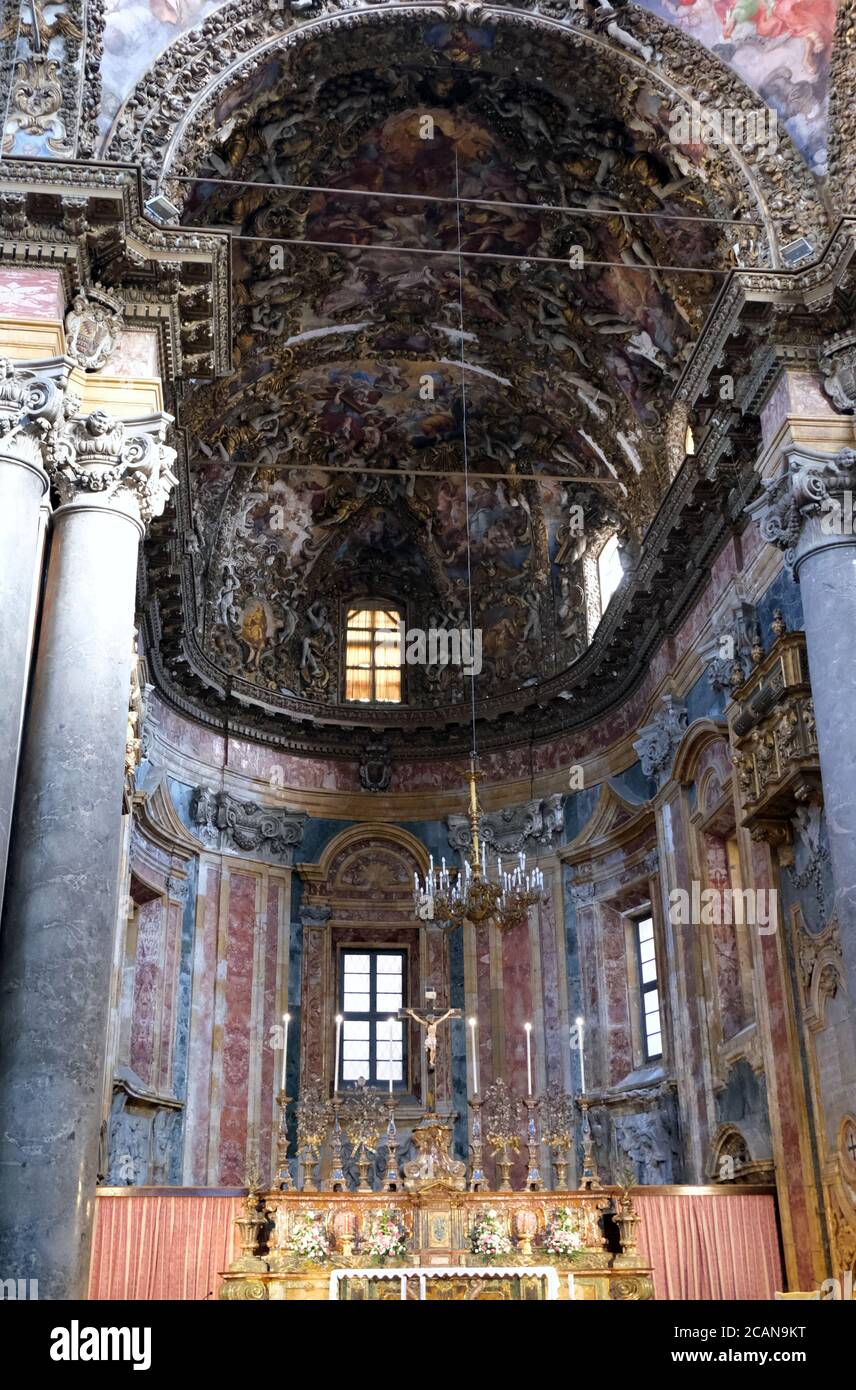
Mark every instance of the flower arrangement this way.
pixel 487 1237
pixel 385 1239
pixel 308 1238
pixel 562 1236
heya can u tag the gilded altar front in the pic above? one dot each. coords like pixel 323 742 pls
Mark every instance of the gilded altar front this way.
pixel 437 1261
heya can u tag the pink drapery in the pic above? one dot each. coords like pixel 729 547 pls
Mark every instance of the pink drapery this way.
pixel 174 1246
pixel 161 1246
pixel 711 1246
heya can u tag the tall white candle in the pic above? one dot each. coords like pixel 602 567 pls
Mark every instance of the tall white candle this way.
pixel 338 1049
pixel 286 1018
pixel 528 1027
pixel 580 1022
pixel 389 1055
pixel 474 1040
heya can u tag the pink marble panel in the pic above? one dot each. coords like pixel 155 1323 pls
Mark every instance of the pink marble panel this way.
pixel 729 986
pixel 517 1010
pixel 271 1058
pixel 555 1038
pixel 235 1057
pixel 170 961
pixel 790 1105
pixel 148 979
pixel 796 393
pixel 201 1043
pixel 135 354
pixel 483 990
pixel 31 293
pixel 313 1011
pixel 614 952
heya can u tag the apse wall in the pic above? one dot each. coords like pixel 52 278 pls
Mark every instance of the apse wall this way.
pixel 249 867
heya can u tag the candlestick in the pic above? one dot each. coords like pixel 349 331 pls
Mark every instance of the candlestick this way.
pixel 283 1173
pixel 534 1181
pixel 580 1022
pixel 389 1053
pixel 391 1181
pixel 339 1021
pixel 474 1040
pixel 528 1027
pixel 286 1019
pixel 478 1181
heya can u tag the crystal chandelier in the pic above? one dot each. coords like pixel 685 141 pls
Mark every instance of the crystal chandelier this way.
pixel 484 891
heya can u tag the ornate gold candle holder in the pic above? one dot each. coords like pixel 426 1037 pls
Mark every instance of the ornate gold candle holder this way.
pixel 478 1181
pixel 590 1182
pixel 336 1181
pixel 392 1179
pixel 534 1181
pixel 283 1172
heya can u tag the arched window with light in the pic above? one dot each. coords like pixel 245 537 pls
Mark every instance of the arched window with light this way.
pixel 373 653
pixel 609 571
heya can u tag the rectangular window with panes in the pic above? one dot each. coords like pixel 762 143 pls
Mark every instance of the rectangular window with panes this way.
pixel 652 1028
pixel 371 992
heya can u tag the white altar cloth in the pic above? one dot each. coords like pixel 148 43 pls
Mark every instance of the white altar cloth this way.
pixel 426 1272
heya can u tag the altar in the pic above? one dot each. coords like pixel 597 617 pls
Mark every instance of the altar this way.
pixel 429 1229
pixel 306 1246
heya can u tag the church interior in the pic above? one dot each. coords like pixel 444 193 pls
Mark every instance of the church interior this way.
pixel 427 767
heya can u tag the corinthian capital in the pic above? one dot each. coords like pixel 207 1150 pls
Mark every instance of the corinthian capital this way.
pixel 789 510
pixel 34 403
pixel 117 463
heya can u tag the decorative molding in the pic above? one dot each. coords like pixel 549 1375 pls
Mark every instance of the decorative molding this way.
pixel 314 914
pixel 806 483
pixel 658 741
pixel 245 827
pixel 35 404
pixel 97 458
pixel 92 327
pixel 774 743
pixel 514 828
pixel 376 766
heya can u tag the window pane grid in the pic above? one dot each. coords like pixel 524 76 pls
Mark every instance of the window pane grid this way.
pixel 370 990
pixel 649 989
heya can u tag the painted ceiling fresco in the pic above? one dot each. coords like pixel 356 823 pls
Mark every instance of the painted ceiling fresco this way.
pixel 348 353
pixel 780 48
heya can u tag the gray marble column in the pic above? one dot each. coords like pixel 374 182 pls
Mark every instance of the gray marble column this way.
pixel 56 942
pixel 31 398
pixel 808 511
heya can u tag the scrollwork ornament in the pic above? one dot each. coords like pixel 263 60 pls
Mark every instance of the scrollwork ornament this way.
pixel 809 482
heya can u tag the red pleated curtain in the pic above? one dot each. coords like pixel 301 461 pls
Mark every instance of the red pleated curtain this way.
pixel 711 1246
pixel 169 1245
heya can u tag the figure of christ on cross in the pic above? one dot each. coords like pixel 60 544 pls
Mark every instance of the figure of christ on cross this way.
pixel 430 1020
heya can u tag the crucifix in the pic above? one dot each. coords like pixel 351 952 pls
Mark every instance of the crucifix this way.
pixel 430 1020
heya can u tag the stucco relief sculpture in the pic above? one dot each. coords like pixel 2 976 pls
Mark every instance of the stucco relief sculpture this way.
pixel 92 326
pixel 245 826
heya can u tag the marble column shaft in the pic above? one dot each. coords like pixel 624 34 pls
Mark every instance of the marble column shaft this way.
pixel 808 511
pixel 56 943
pixel 26 396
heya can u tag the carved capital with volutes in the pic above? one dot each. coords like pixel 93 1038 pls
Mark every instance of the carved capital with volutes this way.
pixel 114 463
pixel 808 505
pixel 35 404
